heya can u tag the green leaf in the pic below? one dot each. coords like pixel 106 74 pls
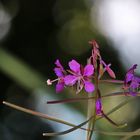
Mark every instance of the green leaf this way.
pixel 19 71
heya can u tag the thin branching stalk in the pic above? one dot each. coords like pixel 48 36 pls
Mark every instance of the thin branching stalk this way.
pixel 70 124
pixel 71 100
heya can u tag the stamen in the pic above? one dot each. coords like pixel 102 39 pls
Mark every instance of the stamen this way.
pixel 49 82
pixel 71 72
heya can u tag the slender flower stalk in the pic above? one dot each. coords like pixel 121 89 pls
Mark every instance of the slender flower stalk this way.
pixel 93 60
pixel 71 100
pixel 66 123
pixel 92 122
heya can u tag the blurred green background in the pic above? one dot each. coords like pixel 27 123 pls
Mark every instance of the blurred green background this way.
pixel 33 34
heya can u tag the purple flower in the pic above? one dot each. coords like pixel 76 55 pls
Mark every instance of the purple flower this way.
pixel 131 81
pixel 60 72
pixel 99 107
pixel 80 76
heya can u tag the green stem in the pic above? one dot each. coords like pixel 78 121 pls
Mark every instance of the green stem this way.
pixel 112 81
pixel 128 134
pixel 131 134
pixel 42 115
pixel 89 113
pixel 92 122
pixel 69 130
pixel 70 124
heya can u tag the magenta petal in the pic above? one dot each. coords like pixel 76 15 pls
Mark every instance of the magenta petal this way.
pixel 131 70
pixel 58 64
pixel 59 87
pixel 132 93
pixel 98 107
pixel 129 77
pixel 89 87
pixel 134 84
pixel 88 70
pixel 137 79
pixel 58 72
pixel 70 80
pixel 74 66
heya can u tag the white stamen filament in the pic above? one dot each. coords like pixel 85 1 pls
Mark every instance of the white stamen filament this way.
pixel 49 82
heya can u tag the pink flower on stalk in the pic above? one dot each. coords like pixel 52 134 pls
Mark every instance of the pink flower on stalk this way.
pixel 80 76
pixel 60 72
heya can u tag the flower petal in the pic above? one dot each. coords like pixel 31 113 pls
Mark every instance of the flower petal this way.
pixel 89 87
pixel 134 85
pixel 88 70
pixel 58 64
pixel 137 79
pixel 58 72
pixel 74 66
pixel 131 70
pixel 129 77
pixel 59 87
pixel 70 80
pixel 98 107
pixel 133 93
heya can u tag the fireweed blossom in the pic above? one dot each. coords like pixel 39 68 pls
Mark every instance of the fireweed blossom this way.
pixel 131 81
pixel 60 72
pixel 80 76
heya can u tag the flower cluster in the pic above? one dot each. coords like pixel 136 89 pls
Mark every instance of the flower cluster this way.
pixel 83 77
pixel 88 77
